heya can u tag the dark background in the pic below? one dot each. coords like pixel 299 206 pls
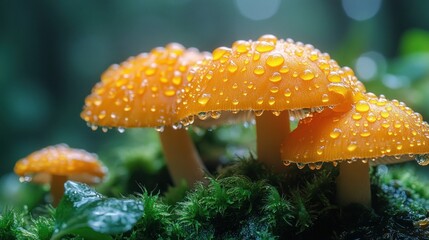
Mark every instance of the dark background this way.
pixel 53 52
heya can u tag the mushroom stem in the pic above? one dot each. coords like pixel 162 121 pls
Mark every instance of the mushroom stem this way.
pixel 270 132
pixel 57 188
pixel 353 184
pixel 182 159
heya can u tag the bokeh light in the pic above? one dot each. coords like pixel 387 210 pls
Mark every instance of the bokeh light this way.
pixel 361 10
pixel 258 9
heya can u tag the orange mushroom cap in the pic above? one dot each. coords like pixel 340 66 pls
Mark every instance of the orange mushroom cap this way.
pixel 142 91
pixel 76 164
pixel 267 74
pixel 374 129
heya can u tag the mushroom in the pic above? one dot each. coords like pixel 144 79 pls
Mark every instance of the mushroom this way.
pixel 143 92
pixel 56 164
pixel 271 75
pixel 374 131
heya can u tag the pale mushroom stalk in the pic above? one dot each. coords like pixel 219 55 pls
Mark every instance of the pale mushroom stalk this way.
pixel 57 188
pixel 181 157
pixel 270 132
pixel 353 184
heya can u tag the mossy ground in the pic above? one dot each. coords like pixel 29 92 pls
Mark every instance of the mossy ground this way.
pixel 245 201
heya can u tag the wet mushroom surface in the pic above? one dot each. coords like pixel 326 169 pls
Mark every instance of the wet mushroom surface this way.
pixel 374 131
pixel 282 78
pixel 143 92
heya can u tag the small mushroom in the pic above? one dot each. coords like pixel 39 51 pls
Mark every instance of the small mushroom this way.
pixel 374 131
pixel 143 92
pixel 55 165
pixel 282 77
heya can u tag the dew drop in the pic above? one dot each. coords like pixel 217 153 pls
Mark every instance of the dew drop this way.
pixel 25 179
pixel 284 69
pixel 286 163
pixel 356 116
pixel 371 117
pixel 397 124
pixel 260 100
pixel 276 113
pixel 325 98
pixel 275 60
pixel 177 126
pixel 319 165
pixel 204 99
pixel 264 47
pixel 385 124
pixel 259 70
pixel 338 88
pixel 320 150
pixel 232 67
pixel 258 113
pixel 219 52
pixel 203 115
pixel 94 127
pixel 235 102
pixel 127 108
pixel 287 93
pixel 215 114
pixel 314 55
pixel 268 38
pixel 312 166
pixel 276 77
pixel 384 114
pixel 104 129
pixel 422 159
pixel 352 147
pixel 335 133
pixel 334 77
pixel 160 128
pixel 299 52
pixel 256 56
pixel 169 92
pixel 307 75
pixel 362 106
pixel 241 46
pixel 300 165
pixel 271 101
pixel 121 129
pixel 274 89
pixel 365 133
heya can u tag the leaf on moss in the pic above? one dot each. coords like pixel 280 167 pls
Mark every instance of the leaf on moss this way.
pixel 85 212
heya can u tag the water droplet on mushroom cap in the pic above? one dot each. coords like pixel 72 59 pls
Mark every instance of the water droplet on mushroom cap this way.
pixel 387 133
pixel 143 91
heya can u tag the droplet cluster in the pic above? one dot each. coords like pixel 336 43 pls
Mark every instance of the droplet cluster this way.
pixel 63 161
pixel 375 129
pixel 268 74
pixel 142 91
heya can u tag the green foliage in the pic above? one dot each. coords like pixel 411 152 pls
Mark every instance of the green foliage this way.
pixel 10 223
pixel 414 41
pixel 84 212
pixel 245 201
pixel 40 228
pixel 156 222
pixel 176 193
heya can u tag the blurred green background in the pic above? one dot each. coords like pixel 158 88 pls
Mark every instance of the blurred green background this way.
pixel 53 52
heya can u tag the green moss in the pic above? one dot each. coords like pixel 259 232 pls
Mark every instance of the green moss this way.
pixel 10 223
pixel 246 201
